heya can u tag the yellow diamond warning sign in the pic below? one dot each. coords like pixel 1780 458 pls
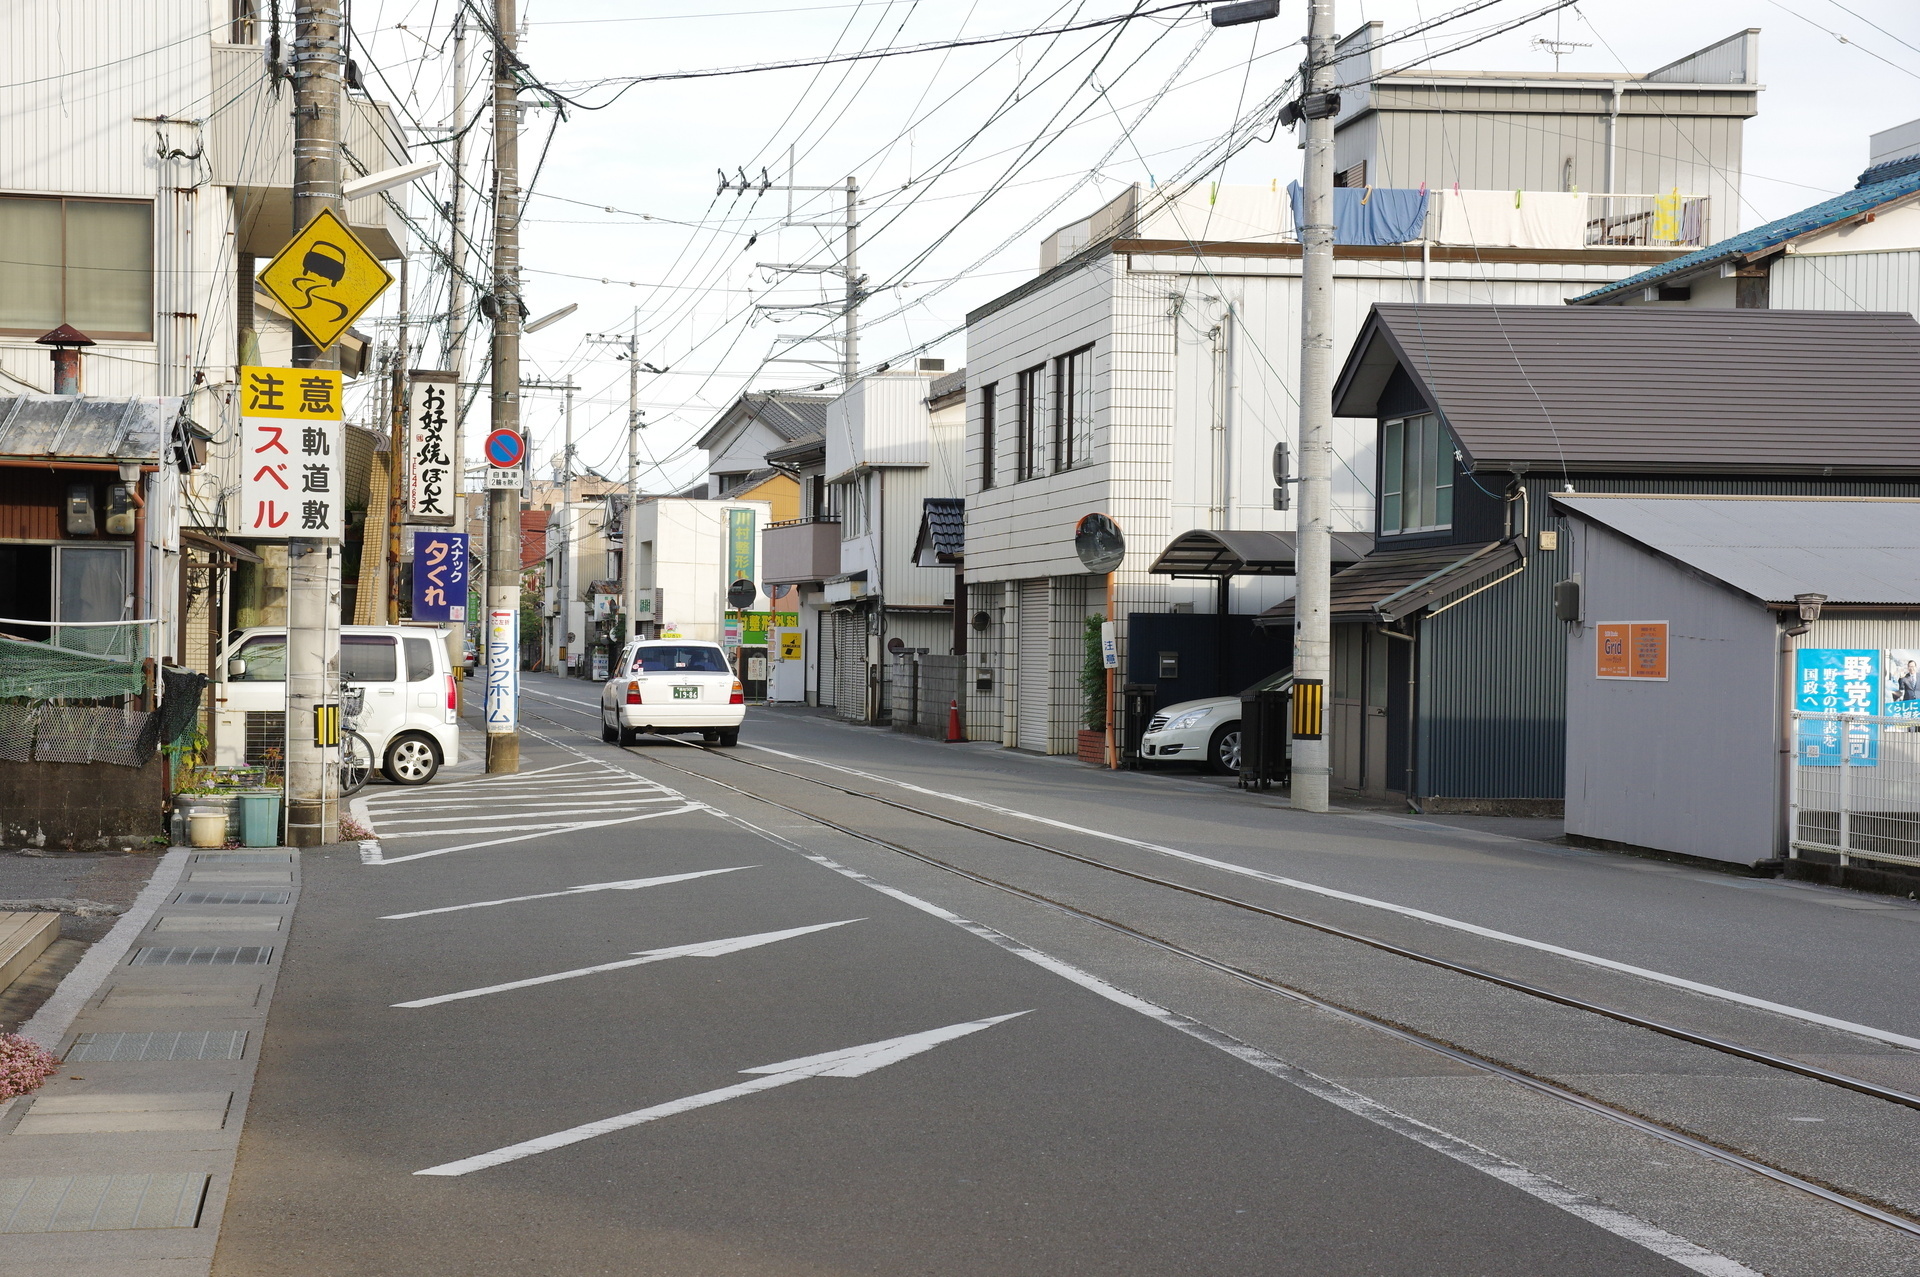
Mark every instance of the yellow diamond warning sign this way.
pixel 325 278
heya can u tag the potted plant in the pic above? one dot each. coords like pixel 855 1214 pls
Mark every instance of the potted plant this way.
pixel 1091 740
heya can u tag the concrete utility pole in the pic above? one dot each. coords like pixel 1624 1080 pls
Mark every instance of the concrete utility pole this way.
pixel 629 546
pixel 568 653
pixel 503 504
pixel 852 340
pixel 313 566
pixel 1312 635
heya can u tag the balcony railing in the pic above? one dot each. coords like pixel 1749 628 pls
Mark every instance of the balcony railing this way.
pixel 1647 221
pixel 799 550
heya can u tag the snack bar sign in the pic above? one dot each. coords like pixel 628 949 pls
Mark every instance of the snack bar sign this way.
pixel 292 464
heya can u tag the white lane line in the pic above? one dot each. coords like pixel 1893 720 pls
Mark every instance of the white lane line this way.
pixel 509 815
pixel 1617 1222
pixel 631 884
pixel 557 796
pixel 1591 959
pixel 704 949
pixel 50 1023
pixel 850 1062
pixel 491 780
pixel 380 858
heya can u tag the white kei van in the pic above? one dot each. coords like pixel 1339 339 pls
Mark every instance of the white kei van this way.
pixel 410 713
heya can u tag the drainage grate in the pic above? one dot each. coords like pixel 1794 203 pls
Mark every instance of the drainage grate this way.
pixel 233 897
pixel 88 1203
pixel 204 955
pixel 104 1048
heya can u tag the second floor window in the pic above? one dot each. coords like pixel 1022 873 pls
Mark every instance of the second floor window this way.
pixel 88 263
pixel 1073 409
pixel 1416 475
pixel 1032 441
pixel 850 499
pixel 989 437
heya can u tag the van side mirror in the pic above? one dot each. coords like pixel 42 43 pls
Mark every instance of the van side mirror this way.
pixel 236 668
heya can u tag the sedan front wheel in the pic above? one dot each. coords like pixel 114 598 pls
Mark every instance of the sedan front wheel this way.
pixel 1223 752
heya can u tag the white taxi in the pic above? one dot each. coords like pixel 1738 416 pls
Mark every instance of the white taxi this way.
pixel 672 686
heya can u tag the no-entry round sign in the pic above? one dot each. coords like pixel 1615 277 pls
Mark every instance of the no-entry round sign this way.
pixel 505 448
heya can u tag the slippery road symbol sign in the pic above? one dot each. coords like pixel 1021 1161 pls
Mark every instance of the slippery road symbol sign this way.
pixel 325 278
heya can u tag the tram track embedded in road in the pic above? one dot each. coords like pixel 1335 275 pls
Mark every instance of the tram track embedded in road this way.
pixel 1694 1143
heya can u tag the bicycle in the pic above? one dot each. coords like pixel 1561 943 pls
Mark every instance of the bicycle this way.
pixel 356 752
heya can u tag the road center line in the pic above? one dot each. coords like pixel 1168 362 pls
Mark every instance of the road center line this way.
pixel 1245 871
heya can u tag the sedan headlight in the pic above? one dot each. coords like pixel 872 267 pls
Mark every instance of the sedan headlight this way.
pixel 1192 718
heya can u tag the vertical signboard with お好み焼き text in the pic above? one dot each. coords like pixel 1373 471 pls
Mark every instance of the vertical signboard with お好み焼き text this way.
pixel 433 446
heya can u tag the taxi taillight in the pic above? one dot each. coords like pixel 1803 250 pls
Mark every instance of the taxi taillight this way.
pixel 633 692
pixel 739 696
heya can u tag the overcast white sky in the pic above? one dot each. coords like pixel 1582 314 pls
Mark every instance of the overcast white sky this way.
pixel 957 151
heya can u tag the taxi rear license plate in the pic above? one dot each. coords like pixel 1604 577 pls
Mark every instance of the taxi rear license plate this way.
pixel 686 693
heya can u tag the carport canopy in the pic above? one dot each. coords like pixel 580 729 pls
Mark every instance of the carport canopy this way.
pixel 1206 552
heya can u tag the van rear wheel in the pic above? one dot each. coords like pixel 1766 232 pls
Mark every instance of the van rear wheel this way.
pixel 411 760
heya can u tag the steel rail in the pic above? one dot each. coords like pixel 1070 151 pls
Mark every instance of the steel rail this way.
pixel 1587 1103
pixel 1754 1054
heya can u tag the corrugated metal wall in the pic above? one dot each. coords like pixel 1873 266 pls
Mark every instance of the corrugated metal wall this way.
pixel 1492 720
pixel 1847 281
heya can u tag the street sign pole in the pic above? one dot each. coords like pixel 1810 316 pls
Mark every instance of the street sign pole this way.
pixel 313 568
pixel 503 504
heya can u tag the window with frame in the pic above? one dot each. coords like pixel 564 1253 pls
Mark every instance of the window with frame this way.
pixel 1073 409
pixel 989 437
pixel 1032 439
pixel 83 262
pixel 850 499
pixel 1416 475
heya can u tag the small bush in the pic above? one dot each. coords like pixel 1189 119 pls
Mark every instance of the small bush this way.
pixel 24 1065
pixel 352 830
pixel 1093 675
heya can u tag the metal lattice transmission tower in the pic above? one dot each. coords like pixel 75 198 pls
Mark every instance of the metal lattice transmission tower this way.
pixel 847 268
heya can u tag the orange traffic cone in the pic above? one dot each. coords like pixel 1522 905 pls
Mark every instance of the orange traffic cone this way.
pixel 953 722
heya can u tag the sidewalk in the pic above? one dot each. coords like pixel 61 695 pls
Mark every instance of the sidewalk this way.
pixel 119 1166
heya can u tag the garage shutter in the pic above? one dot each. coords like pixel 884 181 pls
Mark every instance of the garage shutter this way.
pixel 1035 662
pixel 850 664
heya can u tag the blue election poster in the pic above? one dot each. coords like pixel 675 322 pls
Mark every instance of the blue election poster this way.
pixel 1837 680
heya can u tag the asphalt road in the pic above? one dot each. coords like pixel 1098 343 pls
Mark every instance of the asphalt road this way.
pixel 1055 1126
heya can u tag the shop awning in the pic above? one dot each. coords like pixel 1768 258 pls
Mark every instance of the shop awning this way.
pixel 201 541
pixel 1205 552
pixel 1395 584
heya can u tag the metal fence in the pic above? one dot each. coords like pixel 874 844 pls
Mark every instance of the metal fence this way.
pixel 1665 221
pixel 924 685
pixel 1854 789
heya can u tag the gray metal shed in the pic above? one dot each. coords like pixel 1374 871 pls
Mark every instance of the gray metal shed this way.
pixel 1692 760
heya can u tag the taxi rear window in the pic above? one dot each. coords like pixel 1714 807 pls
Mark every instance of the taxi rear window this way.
pixel 681 660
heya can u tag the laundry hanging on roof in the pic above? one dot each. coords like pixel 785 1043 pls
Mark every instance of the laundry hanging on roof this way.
pixel 1371 214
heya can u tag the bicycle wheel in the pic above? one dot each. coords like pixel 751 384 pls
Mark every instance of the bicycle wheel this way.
pixel 356 762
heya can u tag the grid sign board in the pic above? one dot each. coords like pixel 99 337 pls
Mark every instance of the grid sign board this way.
pixel 293 464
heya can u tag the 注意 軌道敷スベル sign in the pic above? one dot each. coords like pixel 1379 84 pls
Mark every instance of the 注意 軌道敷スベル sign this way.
pixel 292 471
pixel 325 278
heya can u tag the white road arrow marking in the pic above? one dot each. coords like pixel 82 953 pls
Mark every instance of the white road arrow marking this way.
pixel 631 884
pixel 704 949
pixel 850 1062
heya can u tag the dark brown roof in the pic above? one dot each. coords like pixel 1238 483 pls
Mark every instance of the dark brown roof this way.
pixel 1393 584
pixel 1655 389
pixel 1207 552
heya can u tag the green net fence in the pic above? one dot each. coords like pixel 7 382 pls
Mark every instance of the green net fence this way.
pixel 43 671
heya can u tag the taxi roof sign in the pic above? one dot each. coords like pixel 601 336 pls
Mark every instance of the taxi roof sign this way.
pixel 325 278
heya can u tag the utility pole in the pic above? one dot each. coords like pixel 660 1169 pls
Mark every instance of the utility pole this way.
pixel 1312 635
pixel 560 589
pixel 848 268
pixel 397 458
pixel 503 504
pixel 459 305
pixel 313 567
pixel 629 556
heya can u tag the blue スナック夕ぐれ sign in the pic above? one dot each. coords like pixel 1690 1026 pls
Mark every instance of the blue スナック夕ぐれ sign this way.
pixel 439 576
pixel 1837 680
